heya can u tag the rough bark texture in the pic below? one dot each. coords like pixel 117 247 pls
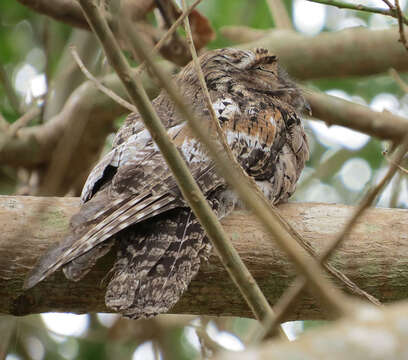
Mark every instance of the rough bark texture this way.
pixel 374 256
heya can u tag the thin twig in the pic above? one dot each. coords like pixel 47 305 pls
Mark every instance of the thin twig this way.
pixel 402 84
pixel 9 90
pixel 403 169
pixel 204 89
pixel 210 108
pixel 364 8
pixel 169 32
pixel 21 122
pixel 209 347
pixel 395 190
pixel 279 14
pixel 187 185
pixel 155 50
pixel 397 8
pixel 4 124
pixel 306 245
pixel 46 46
pixel 98 84
pixel 353 287
pixel 24 120
pixel 322 288
pixel 288 299
pixel 388 3
pixel 395 164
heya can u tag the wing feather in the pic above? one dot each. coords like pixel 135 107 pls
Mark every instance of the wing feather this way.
pixel 79 242
pixel 141 187
pixel 132 184
pixel 156 264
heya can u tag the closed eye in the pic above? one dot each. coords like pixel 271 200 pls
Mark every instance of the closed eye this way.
pixel 264 70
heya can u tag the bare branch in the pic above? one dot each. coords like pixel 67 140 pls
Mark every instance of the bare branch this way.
pixel 169 32
pixel 358 7
pixel 21 122
pixel 400 17
pixel 401 83
pixel 9 90
pixel 388 2
pixel 371 334
pixel 99 85
pixel 304 57
pixel 184 179
pixel 207 98
pixel 336 111
pixel 288 299
pixel 401 20
pixel 256 292
pixel 367 256
pixel 68 76
pixel 329 295
pixel 33 146
pixel 279 14
pixel 318 56
pixel 67 11
pixel 4 124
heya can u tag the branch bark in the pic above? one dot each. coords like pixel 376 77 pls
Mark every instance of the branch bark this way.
pixel 34 146
pixel 350 52
pixel 325 55
pixel 371 334
pixel 373 255
pixel 392 11
pixel 66 11
pixel 335 111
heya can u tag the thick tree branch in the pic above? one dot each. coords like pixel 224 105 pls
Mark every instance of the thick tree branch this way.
pixel 66 11
pixel 33 146
pixel 374 255
pixel 335 111
pixel 177 165
pixel 69 12
pixel 351 52
pixel 325 55
pixel 68 76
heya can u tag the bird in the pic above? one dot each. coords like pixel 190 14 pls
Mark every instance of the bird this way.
pixel 132 205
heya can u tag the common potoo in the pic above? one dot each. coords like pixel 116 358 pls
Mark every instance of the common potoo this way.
pixel 131 199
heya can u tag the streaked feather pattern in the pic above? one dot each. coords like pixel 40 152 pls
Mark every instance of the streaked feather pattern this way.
pixel 131 199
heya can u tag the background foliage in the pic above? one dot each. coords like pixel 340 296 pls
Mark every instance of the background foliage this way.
pixel 343 164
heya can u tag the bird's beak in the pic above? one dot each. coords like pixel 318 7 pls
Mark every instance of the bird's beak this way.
pixel 307 108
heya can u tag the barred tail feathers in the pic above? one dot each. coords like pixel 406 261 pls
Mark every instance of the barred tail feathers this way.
pixel 153 271
pixel 87 234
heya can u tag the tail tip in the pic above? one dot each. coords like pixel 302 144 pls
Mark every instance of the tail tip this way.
pixel 30 281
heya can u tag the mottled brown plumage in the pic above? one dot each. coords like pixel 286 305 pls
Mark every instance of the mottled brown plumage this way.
pixel 131 199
